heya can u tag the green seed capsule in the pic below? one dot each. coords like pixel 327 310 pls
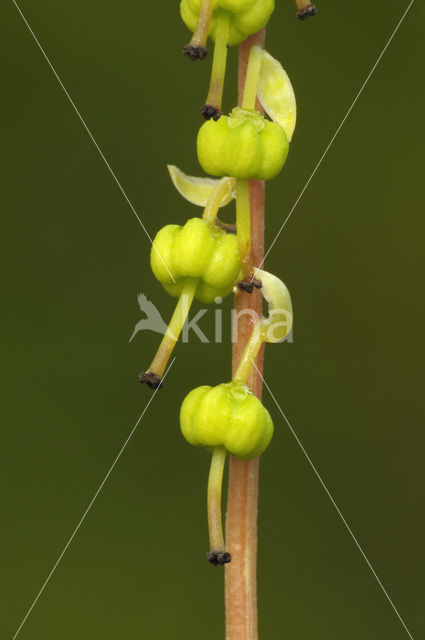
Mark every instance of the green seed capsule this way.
pixel 246 16
pixel 242 145
pixel 196 250
pixel 228 416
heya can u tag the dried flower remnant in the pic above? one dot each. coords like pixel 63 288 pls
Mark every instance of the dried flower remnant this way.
pixel 305 9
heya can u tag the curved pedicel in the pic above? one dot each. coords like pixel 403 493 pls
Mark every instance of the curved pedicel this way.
pixel 197 260
pixel 225 419
pixel 274 328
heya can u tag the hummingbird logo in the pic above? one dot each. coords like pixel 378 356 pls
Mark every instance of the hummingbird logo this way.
pixel 153 320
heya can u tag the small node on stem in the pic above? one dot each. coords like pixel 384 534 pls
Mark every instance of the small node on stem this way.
pixel 151 379
pixel 195 52
pixel 305 9
pixel 210 111
pixel 219 557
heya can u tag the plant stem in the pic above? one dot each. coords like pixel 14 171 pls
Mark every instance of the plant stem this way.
pixel 250 353
pixel 223 189
pixel 200 34
pixel 215 481
pixel 241 517
pixel 218 71
pixel 175 327
pixel 252 74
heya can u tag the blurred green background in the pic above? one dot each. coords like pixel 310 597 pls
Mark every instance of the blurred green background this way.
pixel 74 259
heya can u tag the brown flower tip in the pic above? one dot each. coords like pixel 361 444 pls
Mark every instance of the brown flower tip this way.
pixel 219 557
pixel 195 52
pixel 151 379
pixel 210 111
pixel 248 285
pixel 307 12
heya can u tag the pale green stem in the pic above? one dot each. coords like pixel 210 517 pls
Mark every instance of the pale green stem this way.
pixel 241 517
pixel 250 352
pixel 221 191
pixel 215 481
pixel 175 327
pixel 252 76
pixel 243 222
pixel 218 71
pixel 200 35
